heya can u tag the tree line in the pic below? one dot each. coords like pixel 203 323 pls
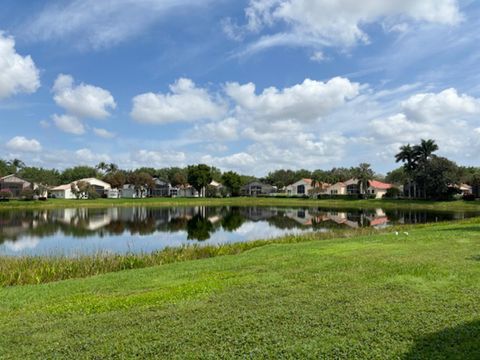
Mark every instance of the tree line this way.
pixel 423 173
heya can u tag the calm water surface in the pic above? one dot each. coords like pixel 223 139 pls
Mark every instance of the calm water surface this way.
pixel 119 230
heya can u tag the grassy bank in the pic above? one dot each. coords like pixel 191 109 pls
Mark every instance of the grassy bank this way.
pixel 31 270
pixel 370 296
pixel 245 201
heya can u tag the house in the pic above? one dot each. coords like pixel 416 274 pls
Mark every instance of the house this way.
pixel 161 188
pixel 15 185
pixel 465 189
pixel 65 191
pixel 257 188
pixel 351 187
pixel 113 194
pixel 186 191
pixel 128 191
pixel 378 188
pixel 214 189
pixel 301 187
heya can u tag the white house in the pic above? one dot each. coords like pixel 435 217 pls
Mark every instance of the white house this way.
pixel 65 191
pixel 301 187
pixel 378 188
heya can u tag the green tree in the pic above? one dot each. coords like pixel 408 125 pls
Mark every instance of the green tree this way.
pixel 199 176
pixel 437 175
pixel 102 166
pixel 409 157
pixel 233 182
pixel 424 153
pixel 78 172
pixel 116 179
pixel 16 164
pixel 397 176
pixel 141 182
pixel 40 175
pixel 5 168
pixel 364 174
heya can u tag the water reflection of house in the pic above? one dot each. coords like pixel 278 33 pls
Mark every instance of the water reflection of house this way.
pixel 258 213
pixel 84 218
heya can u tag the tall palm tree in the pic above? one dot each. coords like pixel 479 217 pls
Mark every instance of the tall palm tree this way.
pixel 424 152
pixel 112 168
pixel 409 156
pixel 426 149
pixel 364 174
pixel 16 164
pixel 102 166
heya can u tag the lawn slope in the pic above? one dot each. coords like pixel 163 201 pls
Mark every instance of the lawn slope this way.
pixel 382 296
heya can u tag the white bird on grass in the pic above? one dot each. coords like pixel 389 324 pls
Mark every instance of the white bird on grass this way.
pixel 406 233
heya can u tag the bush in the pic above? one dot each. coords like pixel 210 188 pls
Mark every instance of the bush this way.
pixel 468 197
pixel 93 195
pixel 27 194
pixel 5 194
pixel 392 193
pixel 339 197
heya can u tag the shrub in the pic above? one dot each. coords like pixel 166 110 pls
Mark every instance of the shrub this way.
pixel 27 194
pixel 393 193
pixel 468 197
pixel 5 194
pixel 93 195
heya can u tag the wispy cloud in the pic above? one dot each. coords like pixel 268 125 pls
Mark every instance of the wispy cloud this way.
pixel 101 24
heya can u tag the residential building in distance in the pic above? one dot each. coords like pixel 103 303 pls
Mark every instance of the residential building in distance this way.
pixel 65 191
pixel 257 188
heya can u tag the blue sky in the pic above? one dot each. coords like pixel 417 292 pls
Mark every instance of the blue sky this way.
pixel 251 86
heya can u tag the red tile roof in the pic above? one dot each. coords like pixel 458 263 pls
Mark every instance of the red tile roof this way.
pixel 380 185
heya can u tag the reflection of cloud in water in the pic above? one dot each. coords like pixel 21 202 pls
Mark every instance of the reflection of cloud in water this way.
pixel 263 230
pixel 23 244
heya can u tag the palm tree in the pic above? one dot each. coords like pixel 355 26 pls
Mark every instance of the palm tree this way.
pixel 16 164
pixel 426 149
pixel 409 156
pixel 102 166
pixel 112 168
pixel 364 174
pixel 424 152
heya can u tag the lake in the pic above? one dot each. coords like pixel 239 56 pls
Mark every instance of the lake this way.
pixel 79 231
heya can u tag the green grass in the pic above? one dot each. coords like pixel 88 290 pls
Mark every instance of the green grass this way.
pixel 30 270
pixel 245 201
pixel 367 297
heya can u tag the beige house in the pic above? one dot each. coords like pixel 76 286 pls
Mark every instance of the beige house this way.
pixel 301 187
pixel 16 185
pixel 351 187
pixel 65 191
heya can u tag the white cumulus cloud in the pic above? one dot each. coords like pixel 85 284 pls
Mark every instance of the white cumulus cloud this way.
pixel 18 74
pixel 20 143
pixel 69 124
pixel 103 133
pixel 82 101
pixel 306 102
pixel 186 102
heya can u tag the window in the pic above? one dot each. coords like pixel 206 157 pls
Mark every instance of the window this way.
pixel 353 189
pixel 334 192
pixel 301 189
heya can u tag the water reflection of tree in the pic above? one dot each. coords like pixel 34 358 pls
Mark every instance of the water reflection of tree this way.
pixel 199 228
pixel 232 220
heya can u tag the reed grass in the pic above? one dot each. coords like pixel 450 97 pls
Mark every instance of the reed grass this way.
pixel 31 270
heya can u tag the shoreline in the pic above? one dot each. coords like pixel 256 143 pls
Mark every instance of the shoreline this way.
pixel 456 205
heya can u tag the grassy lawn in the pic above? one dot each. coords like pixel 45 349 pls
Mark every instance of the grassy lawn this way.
pixel 245 201
pixel 371 296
